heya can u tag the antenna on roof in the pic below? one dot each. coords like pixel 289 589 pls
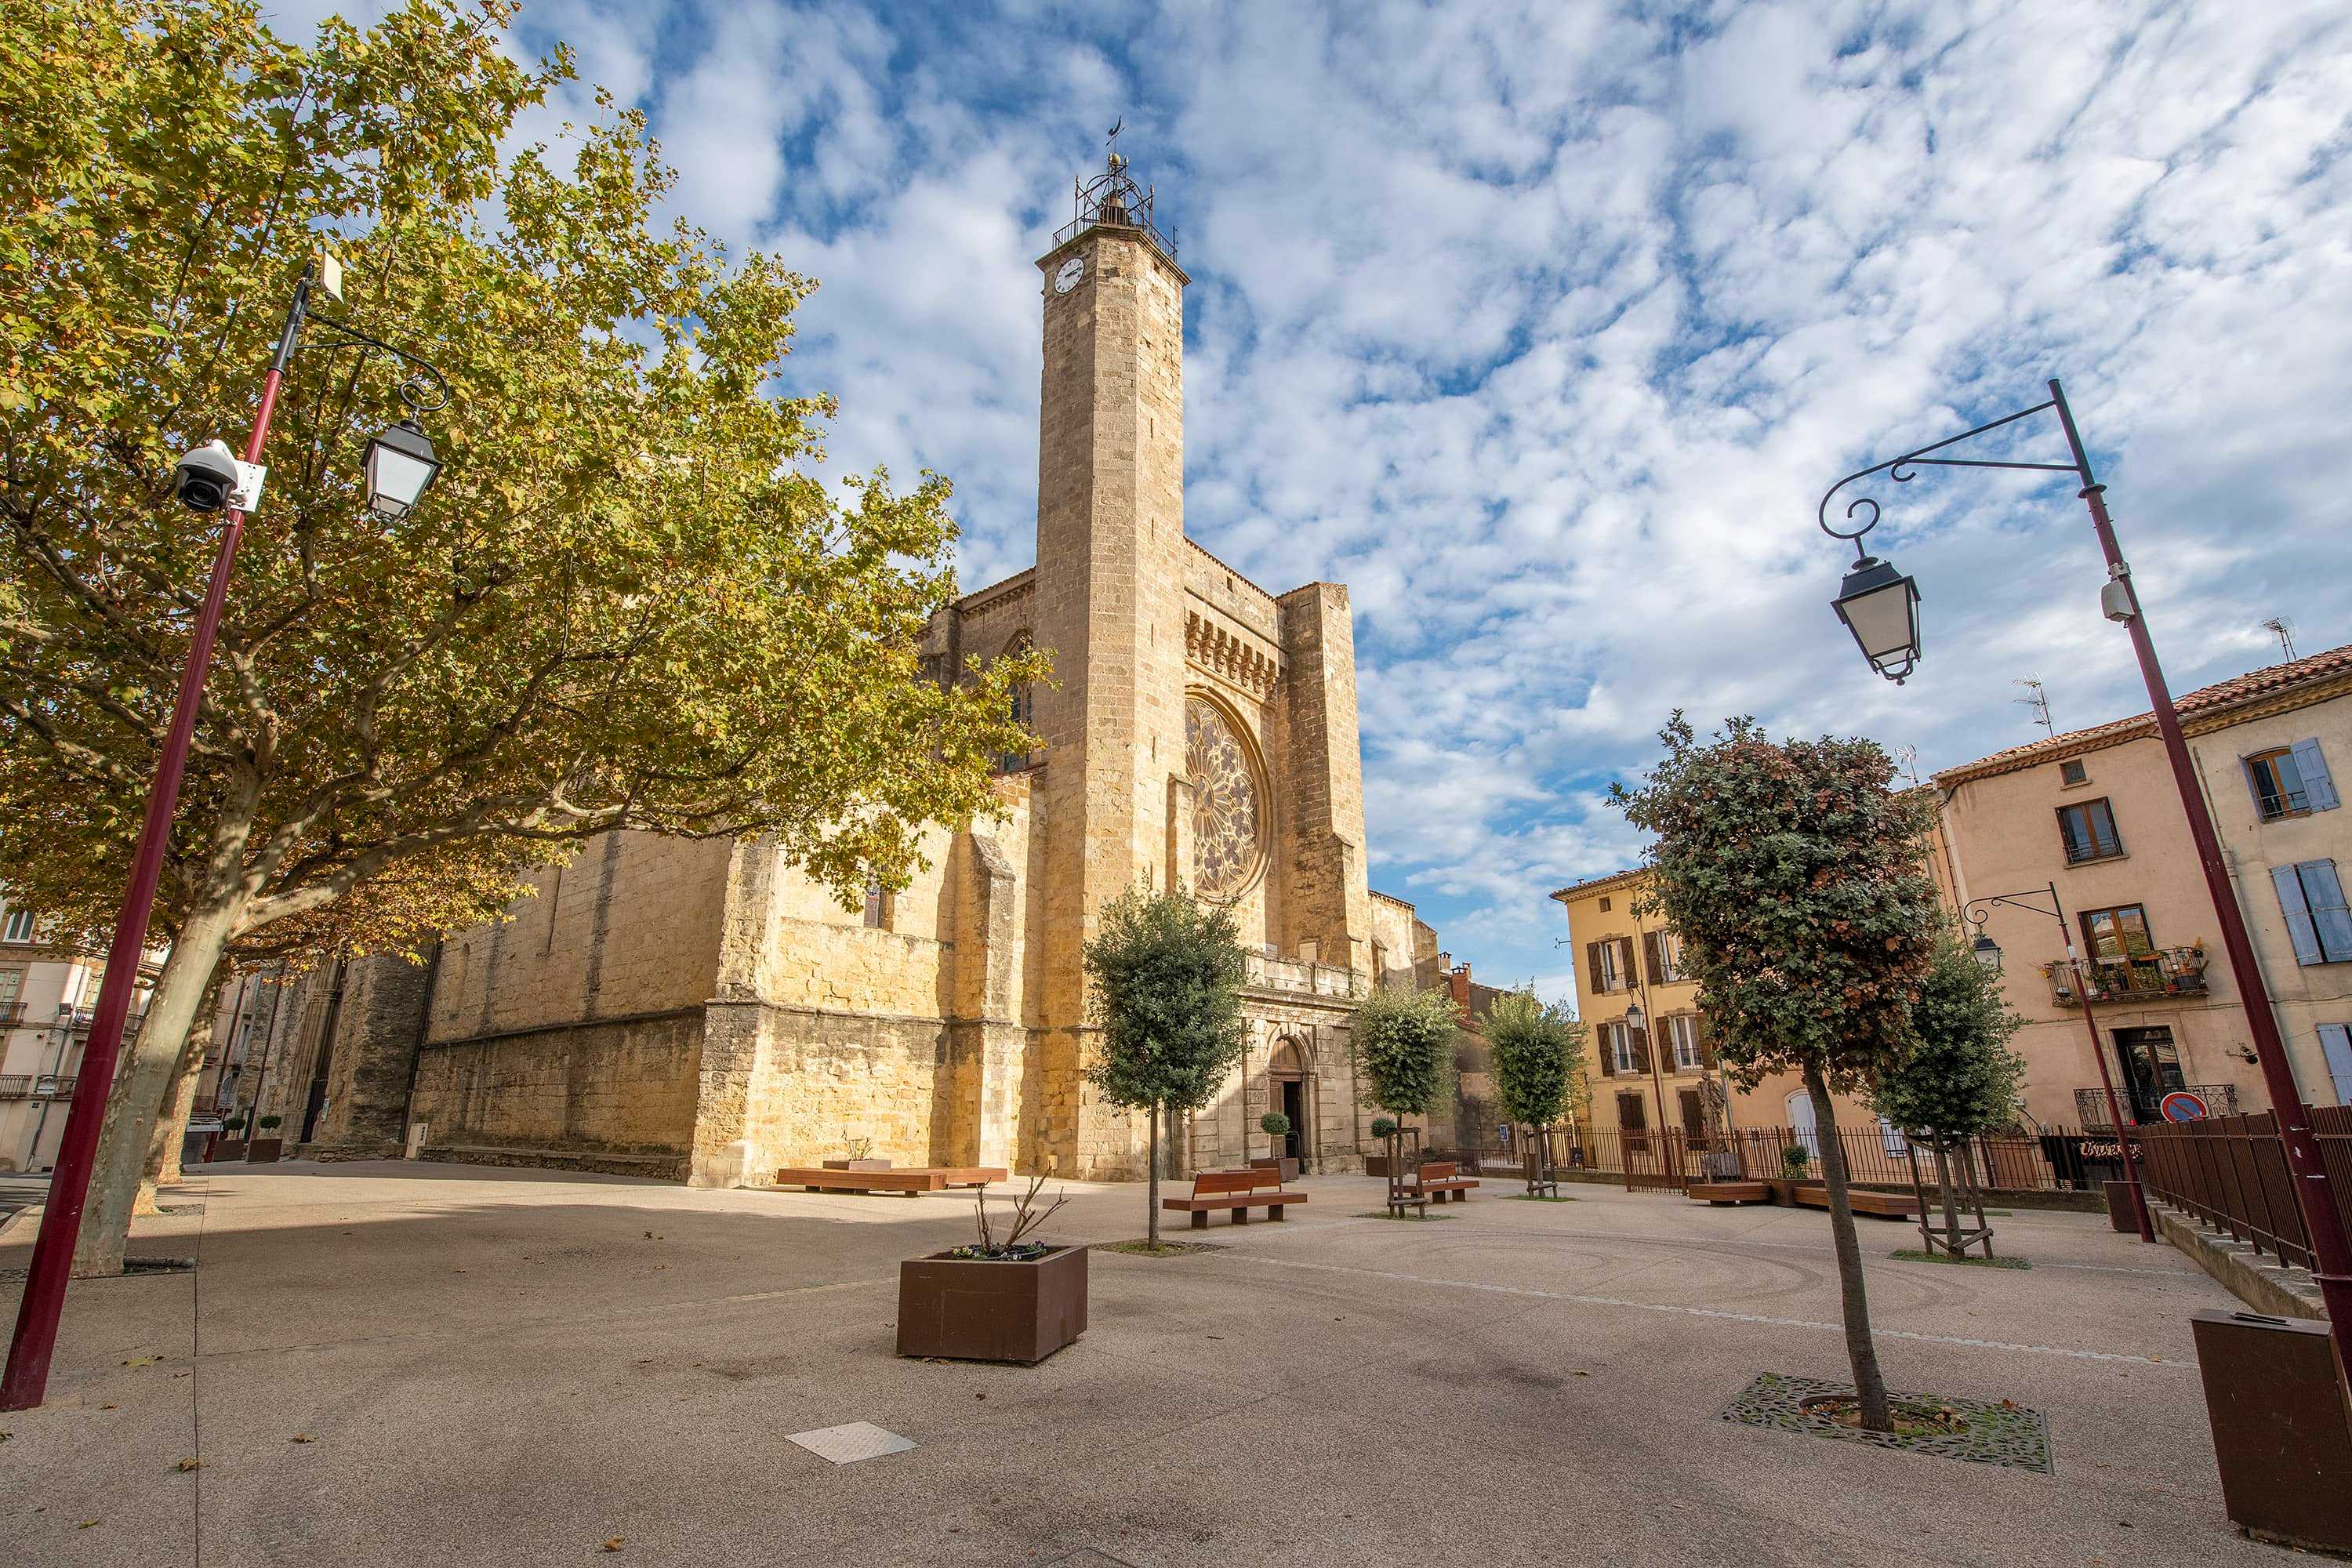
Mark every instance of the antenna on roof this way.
pixel 2285 629
pixel 2039 701
pixel 1907 761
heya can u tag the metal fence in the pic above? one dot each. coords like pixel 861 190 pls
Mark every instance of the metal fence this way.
pixel 2051 1160
pixel 2232 1172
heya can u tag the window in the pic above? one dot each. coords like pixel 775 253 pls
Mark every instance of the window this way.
pixel 1631 1116
pixel 12 991
pixel 2088 830
pixel 2311 896
pixel 1664 954
pixel 1682 1031
pixel 2072 772
pixel 19 927
pixel 1609 962
pixel 1621 1051
pixel 1604 904
pixel 2122 957
pixel 2291 781
pixel 878 908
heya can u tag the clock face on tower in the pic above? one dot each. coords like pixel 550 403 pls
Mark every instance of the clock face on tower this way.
pixel 1067 278
pixel 1225 815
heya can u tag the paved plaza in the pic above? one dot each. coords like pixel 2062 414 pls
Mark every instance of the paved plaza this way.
pixel 430 1365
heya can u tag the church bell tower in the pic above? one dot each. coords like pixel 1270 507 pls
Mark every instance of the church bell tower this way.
pixel 1109 608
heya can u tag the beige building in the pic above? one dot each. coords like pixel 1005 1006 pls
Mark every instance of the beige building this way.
pixel 2097 813
pixel 702 1010
pixel 1648 1057
pixel 48 994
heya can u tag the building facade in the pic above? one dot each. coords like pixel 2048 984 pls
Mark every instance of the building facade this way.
pixel 48 995
pixel 702 1010
pixel 2095 815
pixel 1649 1059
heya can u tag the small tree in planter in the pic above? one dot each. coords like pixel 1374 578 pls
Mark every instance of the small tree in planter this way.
pixel 1276 1126
pixel 1796 1162
pixel 1002 1297
pixel 268 1146
pixel 1403 1041
pixel 1797 879
pixel 1166 974
pixel 1534 1049
pixel 1959 1077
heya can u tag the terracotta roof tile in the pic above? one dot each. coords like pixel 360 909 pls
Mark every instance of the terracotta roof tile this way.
pixel 2221 694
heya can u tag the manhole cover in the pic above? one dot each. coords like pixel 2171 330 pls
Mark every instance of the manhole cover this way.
pixel 848 1444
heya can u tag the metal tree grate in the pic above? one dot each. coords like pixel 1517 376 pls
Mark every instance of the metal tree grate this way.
pixel 2005 1433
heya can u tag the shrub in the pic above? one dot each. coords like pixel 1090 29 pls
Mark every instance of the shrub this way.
pixel 272 1123
pixel 1274 1123
pixel 1383 1126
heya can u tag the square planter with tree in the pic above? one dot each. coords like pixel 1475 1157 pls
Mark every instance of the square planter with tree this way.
pixel 1013 1299
pixel 267 1149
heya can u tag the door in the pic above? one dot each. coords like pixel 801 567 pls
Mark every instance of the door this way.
pixel 1294 1106
pixel 2152 1067
pixel 1694 1108
pixel 1799 1105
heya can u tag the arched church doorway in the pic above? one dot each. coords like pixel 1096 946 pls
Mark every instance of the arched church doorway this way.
pixel 1290 1090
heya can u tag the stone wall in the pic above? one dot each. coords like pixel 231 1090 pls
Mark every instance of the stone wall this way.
pixel 581 1094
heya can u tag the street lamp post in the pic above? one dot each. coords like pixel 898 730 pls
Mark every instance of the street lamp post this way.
pixel 1988 953
pixel 402 482
pixel 2119 601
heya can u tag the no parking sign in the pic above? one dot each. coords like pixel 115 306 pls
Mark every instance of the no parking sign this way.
pixel 2182 1106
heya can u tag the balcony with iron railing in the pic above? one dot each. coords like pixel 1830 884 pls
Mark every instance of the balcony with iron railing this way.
pixel 2141 977
pixel 17 1086
pixel 2143 1106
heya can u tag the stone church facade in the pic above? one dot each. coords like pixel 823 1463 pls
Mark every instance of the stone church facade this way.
pixel 700 1010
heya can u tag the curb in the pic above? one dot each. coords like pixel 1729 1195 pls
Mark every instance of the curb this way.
pixel 2261 1281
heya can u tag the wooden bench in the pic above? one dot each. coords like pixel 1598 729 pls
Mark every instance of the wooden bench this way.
pixel 1240 1190
pixel 1723 1192
pixel 911 1180
pixel 1440 1178
pixel 1878 1205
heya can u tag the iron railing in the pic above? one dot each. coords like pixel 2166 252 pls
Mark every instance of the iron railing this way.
pixel 2051 1160
pixel 2143 977
pixel 2139 1105
pixel 17 1086
pixel 2232 1172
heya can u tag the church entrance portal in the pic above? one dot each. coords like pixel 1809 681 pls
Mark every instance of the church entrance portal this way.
pixel 1287 1092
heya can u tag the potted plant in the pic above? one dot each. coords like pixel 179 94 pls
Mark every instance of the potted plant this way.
pixel 1276 1126
pixel 1000 1299
pixel 269 1147
pixel 861 1157
pixel 1796 1162
pixel 1383 1128
pixel 230 1145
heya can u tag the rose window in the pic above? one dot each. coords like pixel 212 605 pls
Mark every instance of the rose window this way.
pixel 1225 812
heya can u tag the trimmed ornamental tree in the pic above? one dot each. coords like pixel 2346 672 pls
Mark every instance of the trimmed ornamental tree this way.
pixel 1165 983
pixel 625 604
pixel 1795 877
pixel 1535 1050
pixel 1959 1077
pixel 1403 1040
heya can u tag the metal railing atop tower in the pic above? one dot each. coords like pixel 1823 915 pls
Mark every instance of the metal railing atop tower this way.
pixel 1113 197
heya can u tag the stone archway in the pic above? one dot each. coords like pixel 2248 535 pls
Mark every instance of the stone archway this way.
pixel 1290 1088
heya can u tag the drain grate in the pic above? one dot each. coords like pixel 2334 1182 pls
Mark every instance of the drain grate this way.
pixel 848 1444
pixel 2005 1433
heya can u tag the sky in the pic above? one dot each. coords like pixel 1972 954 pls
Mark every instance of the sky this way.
pixel 1545 327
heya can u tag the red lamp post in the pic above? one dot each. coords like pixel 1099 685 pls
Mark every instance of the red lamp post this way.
pixel 203 485
pixel 2119 601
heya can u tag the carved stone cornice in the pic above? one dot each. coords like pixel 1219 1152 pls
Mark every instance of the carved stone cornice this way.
pixel 1212 649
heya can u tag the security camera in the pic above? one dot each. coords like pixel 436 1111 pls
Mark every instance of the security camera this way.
pixel 208 477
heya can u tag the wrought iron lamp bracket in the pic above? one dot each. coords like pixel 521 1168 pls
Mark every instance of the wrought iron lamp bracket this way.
pixel 1900 469
pixel 422 391
pixel 1978 911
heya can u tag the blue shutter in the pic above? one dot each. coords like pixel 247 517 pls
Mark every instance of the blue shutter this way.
pixel 2335 1040
pixel 2317 787
pixel 2324 895
pixel 2299 929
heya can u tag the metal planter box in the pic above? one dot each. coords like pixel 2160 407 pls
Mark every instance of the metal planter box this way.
pixel 2282 1427
pixel 969 1309
pixel 265 1151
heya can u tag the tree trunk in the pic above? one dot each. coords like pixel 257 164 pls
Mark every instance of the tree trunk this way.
pixel 1152 1187
pixel 1949 1197
pixel 1853 1299
pixel 171 1128
pixel 135 1101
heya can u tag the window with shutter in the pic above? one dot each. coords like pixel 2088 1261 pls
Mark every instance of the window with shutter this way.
pixel 1641 1048
pixel 1706 1042
pixel 2088 831
pixel 2336 1042
pixel 2278 784
pixel 1631 1113
pixel 2323 901
pixel 1592 966
pixel 1653 958
pixel 2300 931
